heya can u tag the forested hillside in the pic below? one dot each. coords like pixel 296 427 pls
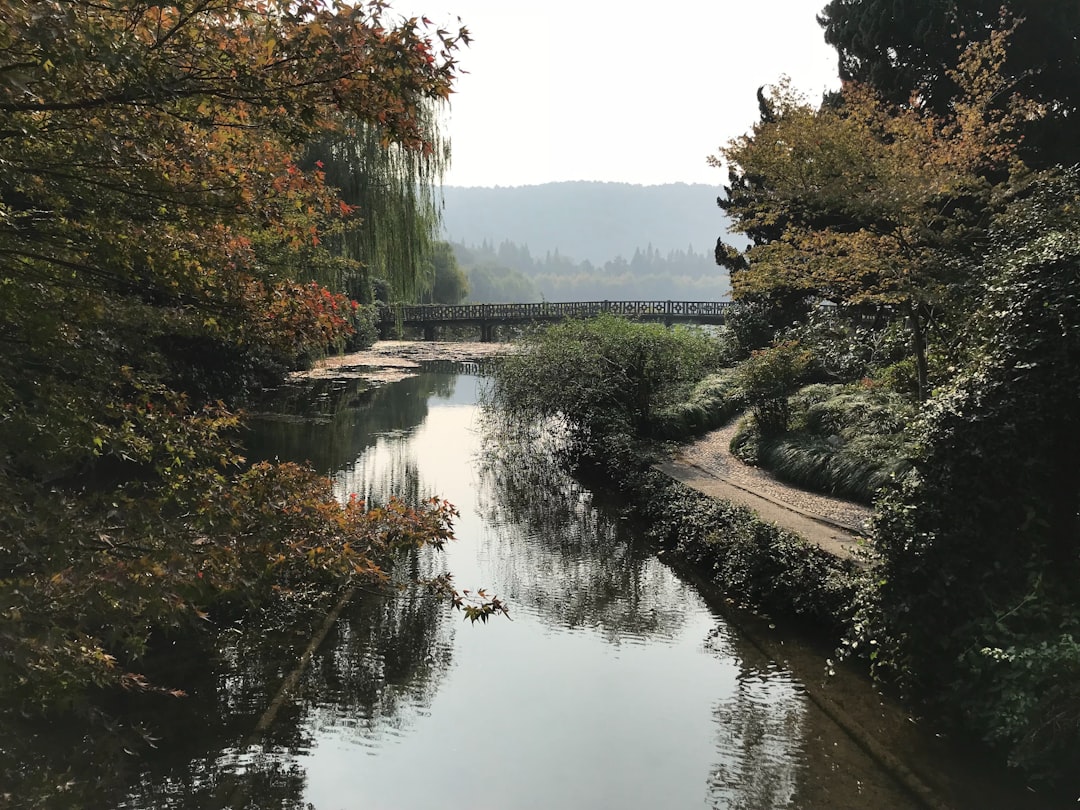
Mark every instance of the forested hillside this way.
pixel 510 272
pixel 587 241
pixel 587 221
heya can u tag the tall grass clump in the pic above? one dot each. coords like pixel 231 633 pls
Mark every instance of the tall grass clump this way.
pixel 844 440
pixel 709 405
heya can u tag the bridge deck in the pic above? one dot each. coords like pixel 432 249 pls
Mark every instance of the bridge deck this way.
pixel 426 313
pixel 487 316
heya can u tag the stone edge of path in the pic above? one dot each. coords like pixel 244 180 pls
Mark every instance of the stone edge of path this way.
pixel 839 539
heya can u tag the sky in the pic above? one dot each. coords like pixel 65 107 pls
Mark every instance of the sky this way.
pixel 617 91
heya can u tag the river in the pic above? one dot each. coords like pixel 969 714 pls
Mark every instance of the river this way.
pixel 614 684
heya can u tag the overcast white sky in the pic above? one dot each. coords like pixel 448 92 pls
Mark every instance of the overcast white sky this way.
pixel 617 90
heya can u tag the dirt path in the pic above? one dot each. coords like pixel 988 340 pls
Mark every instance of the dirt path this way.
pixel 708 466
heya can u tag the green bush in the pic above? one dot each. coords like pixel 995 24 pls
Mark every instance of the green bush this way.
pixel 602 376
pixel 747 327
pixel 746 443
pixel 1032 692
pixel 364 321
pixel 767 377
pixel 901 377
pixel 845 350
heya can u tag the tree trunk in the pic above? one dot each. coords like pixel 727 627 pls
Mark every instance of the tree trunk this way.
pixel 918 348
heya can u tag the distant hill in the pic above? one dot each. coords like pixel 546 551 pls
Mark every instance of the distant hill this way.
pixel 587 221
pixel 509 273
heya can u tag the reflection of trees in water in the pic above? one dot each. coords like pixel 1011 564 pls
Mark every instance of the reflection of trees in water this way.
pixel 556 552
pixel 381 665
pixel 250 780
pixel 387 468
pixel 202 758
pixel 330 422
pixel 384 662
pixel 378 668
pixel 760 729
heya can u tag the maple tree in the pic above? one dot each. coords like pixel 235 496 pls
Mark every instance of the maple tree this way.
pixel 860 201
pixel 159 231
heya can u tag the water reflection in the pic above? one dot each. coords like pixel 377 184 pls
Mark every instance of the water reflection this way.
pixel 383 665
pixel 759 729
pixel 558 554
pixel 330 423
pixel 614 686
pixel 376 672
pixel 388 468
pixel 555 553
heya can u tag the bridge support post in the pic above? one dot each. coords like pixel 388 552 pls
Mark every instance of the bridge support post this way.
pixel 486 330
pixel 429 332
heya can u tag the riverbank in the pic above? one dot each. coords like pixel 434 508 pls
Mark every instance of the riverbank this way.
pixel 391 360
pixel 765 574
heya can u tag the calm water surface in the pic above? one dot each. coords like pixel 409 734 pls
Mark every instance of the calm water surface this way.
pixel 614 685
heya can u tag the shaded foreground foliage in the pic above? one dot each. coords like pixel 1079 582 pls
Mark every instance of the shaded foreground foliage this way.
pixel 977 601
pixel 159 235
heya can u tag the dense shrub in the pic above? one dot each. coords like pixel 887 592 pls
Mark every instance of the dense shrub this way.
pixel 846 350
pixel 602 376
pixel 901 377
pixel 747 327
pixel 977 603
pixel 364 321
pixel 767 377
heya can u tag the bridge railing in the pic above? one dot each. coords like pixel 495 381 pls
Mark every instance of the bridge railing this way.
pixel 429 313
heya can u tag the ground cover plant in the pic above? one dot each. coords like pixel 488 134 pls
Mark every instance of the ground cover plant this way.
pixel 844 440
pixel 709 404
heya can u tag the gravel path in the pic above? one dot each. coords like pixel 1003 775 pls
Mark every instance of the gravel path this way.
pixel 711 454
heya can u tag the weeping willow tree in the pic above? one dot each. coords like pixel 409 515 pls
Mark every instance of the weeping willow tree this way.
pixel 396 193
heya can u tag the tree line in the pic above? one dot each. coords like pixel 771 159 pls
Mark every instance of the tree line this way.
pixel 509 272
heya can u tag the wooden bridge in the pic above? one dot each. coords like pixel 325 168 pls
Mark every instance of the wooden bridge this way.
pixel 487 316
